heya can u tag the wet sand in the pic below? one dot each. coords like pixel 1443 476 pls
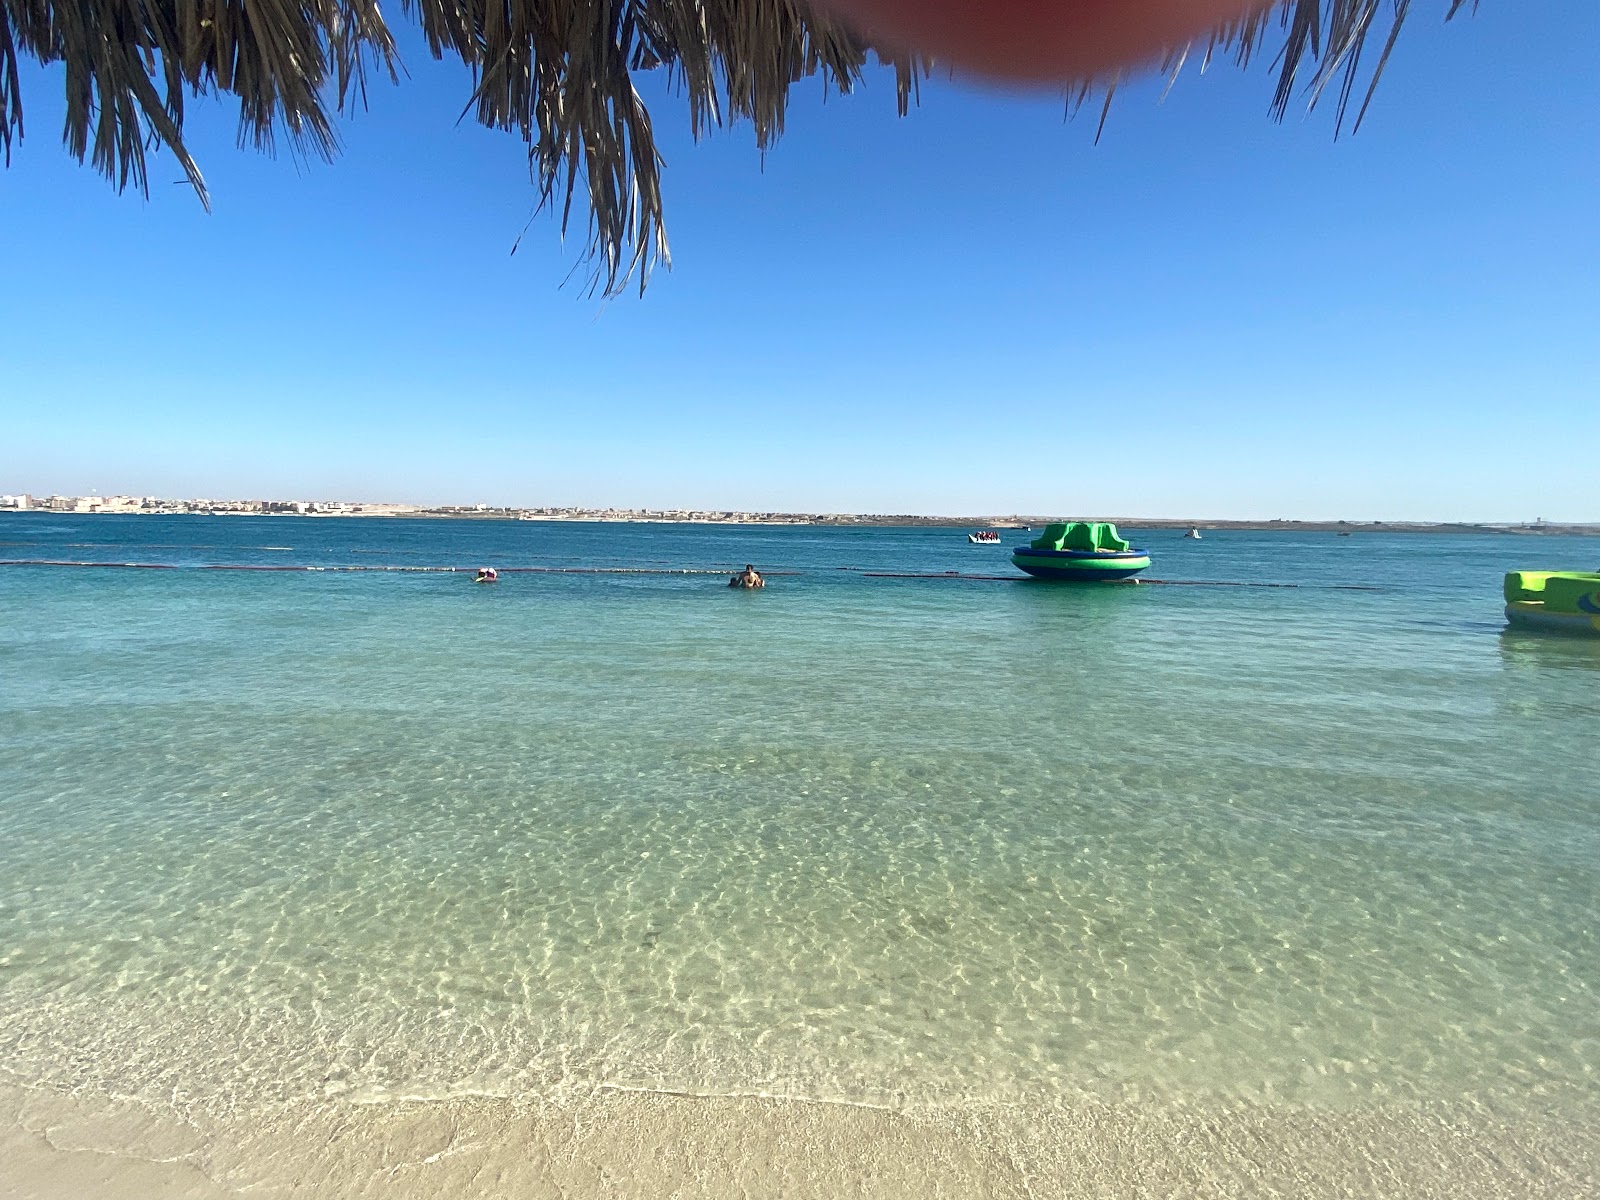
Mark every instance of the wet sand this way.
pixel 621 1144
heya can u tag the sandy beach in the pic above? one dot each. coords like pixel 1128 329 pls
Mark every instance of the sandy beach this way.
pixel 59 1147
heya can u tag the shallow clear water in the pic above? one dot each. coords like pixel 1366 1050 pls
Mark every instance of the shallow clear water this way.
pixel 275 835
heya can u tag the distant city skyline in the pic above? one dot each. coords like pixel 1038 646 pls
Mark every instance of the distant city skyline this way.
pixel 135 505
pixel 974 309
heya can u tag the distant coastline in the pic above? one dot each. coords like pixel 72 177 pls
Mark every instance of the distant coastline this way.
pixel 157 506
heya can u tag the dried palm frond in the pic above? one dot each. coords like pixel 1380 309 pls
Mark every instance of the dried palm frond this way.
pixel 1324 37
pixel 128 64
pixel 559 73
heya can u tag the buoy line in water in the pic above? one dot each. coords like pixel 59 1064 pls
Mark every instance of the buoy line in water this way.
pixel 956 576
pixel 932 575
pixel 393 570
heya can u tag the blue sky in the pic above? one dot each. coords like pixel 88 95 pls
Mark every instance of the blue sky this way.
pixel 973 310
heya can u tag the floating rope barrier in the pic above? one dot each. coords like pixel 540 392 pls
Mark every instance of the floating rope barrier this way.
pixel 940 575
pixel 1314 587
pixel 52 562
pixel 958 576
pixel 376 569
pixel 953 576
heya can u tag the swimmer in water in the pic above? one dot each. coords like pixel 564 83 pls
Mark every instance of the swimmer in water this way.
pixel 486 575
pixel 747 578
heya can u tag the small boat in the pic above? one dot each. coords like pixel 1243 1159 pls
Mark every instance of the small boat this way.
pixel 984 537
pixel 1080 551
pixel 1194 533
pixel 1568 601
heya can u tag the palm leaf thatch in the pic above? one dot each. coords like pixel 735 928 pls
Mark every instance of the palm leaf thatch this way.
pixel 559 73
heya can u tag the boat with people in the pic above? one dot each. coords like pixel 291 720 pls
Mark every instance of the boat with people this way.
pixel 1564 601
pixel 1080 551
pixel 984 537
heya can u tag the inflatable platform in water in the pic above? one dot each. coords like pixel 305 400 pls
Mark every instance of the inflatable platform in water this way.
pixel 1568 601
pixel 1080 551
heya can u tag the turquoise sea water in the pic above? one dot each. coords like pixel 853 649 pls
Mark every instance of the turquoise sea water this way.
pixel 267 836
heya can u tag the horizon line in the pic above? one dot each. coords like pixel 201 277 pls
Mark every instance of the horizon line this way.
pixel 128 504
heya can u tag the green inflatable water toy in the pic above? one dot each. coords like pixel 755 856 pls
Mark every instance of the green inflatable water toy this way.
pixel 1082 551
pixel 1561 600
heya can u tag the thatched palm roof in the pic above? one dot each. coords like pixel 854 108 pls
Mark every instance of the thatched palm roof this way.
pixel 560 73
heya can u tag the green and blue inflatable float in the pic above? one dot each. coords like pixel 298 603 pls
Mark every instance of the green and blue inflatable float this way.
pixel 1080 551
pixel 1568 601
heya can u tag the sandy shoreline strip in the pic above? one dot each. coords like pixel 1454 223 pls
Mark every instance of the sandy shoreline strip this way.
pixel 636 1144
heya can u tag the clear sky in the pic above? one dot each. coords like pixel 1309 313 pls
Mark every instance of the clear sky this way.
pixel 973 310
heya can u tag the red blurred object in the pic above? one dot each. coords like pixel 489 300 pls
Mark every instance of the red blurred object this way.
pixel 1040 41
